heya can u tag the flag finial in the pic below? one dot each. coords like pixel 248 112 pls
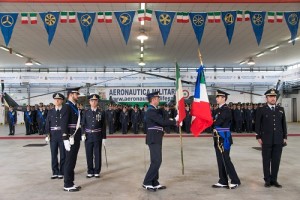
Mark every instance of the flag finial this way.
pixel 200 57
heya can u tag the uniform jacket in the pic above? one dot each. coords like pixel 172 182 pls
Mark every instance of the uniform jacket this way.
pixel 12 117
pixel 270 126
pixel 249 114
pixel 110 116
pixel 238 114
pixel 53 120
pixel 94 121
pixel 28 117
pixel 223 118
pixel 69 121
pixel 124 117
pixel 135 117
pixel 155 124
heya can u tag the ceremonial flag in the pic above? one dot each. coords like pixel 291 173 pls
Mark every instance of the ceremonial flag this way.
pixel 141 14
pixel 50 20
pixel 8 21
pixel 239 16
pixel 100 17
pixel 228 18
pixel 125 20
pixel 108 17
pixel 63 17
pixel 211 18
pixel 33 18
pixel 258 22
pixel 164 20
pixel 148 15
pixel 180 105
pixel 292 21
pixel 198 22
pixel 72 17
pixel 271 17
pixel 217 16
pixel 86 21
pixel 182 17
pixel 279 17
pixel 200 111
pixel 24 18
pixel 247 15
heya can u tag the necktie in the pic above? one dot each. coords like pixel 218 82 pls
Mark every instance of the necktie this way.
pixel 272 108
pixel 57 112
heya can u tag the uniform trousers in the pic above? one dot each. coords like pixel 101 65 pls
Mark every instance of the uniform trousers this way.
pixel 55 144
pixel 271 154
pixel 152 175
pixel 11 128
pixel 93 155
pixel 71 158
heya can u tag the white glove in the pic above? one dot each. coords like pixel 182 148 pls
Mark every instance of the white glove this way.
pixel 177 118
pixel 67 145
pixel 83 137
pixel 47 138
pixel 104 142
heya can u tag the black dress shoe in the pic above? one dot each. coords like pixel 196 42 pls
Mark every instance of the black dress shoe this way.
pixel 276 184
pixel 267 184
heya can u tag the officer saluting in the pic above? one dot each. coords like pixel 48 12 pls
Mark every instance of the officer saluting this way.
pixel 94 134
pixel 71 136
pixel 222 143
pixel 54 135
pixel 271 134
pixel 155 123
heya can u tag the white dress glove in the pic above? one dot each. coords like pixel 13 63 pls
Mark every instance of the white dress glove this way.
pixel 104 142
pixel 177 118
pixel 47 138
pixel 83 137
pixel 67 145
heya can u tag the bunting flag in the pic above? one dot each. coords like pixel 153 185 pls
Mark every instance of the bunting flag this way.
pixel 86 21
pixel 180 105
pixel 271 17
pixel 211 17
pixel 164 20
pixel 24 18
pixel 50 20
pixel 228 18
pixel 125 20
pixel 292 21
pixel 239 15
pixel 279 17
pixel 141 14
pixel 201 114
pixel 63 17
pixel 7 24
pixel 148 15
pixel 33 18
pixel 217 16
pixel 247 15
pixel 100 17
pixel 182 17
pixel 108 17
pixel 72 17
pixel 258 22
pixel 198 22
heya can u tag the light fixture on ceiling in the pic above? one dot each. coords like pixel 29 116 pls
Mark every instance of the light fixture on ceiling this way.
pixel 4 48
pixel 274 48
pixel 142 54
pixel 142 48
pixel 260 54
pixel 142 63
pixel 19 55
pixel 243 62
pixel 37 63
pixel 251 62
pixel 29 62
pixel 142 36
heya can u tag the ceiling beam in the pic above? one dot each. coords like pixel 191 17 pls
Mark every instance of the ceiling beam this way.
pixel 151 1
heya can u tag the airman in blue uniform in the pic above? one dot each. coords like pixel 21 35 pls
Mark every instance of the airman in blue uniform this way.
pixel 12 120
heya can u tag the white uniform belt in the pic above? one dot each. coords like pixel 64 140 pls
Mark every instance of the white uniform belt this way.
pixel 156 128
pixel 93 131
pixel 55 128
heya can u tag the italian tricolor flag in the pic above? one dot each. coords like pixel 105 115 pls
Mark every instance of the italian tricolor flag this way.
pixel 148 15
pixel 63 17
pixel 271 17
pixel 72 17
pixel 24 18
pixel 217 17
pixel 108 17
pixel 211 18
pixel 201 114
pixel 247 15
pixel 141 15
pixel 239 15
pixel 279 17
pixel 183 17
pixel 33 18
pixel 100 17
pixel 180 105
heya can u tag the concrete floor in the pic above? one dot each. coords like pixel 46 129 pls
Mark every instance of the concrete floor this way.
pixel 26 171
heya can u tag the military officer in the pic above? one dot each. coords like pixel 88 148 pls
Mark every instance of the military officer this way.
pixel 222 142
pixel 12 120
pixel 155 124
pixel 135 119
pixel 249 117
pixel 28 119
pixel 71 137
pixel 124 119
pixel 188 119
pixel 143 114
pixel 166 115
pixel 54 136
pixel 41 120
pixel 94 134
pixel 239 118
pixel 271 134
pixel 111 117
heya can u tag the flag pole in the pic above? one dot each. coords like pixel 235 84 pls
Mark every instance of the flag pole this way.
pixel 181 149
pixel 200 57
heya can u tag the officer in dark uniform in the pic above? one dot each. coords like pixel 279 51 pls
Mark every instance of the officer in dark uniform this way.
pixel 167 115
pixel 143 115
pixel 155 132
pixel 12 120
pixel 54 136
pixel 271 133
pixel 135 119
pixel 222 143
pixel 28 120
pixel 41 120
pixel 111 117
pixel 239 118
pixel 124 120
pixel 188 119
pixel 249 117
pixel 94 134
pixel 71 135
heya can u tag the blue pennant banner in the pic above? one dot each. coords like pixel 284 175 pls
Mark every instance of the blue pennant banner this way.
pixel 258 22
pixel 7 24
pixel 50 20
pixel 229 19
pixel 164 20
pixel 292 21
pixel 86 21
pixel 125 20
pixel 198 22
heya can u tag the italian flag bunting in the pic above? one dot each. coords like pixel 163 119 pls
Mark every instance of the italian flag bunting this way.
pixel 24 18
pixel 271 17
pixel 108 17
pixel 185 17
pixel 33 18
pixel 247 15
pixel 201 114
pixel 100 17
pixel 279 17
pixel 180 105
pixel 239 15
pixel 63 17
pixel 217 17
pixel 148 15
pixel 141 15
pixel 72 17
pixel 210 16
pixel 179 17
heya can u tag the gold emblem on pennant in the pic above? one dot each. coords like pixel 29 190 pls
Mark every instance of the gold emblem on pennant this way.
pixel 86 20
pixel 257 19
pixel 50 19
pixel 229 19
pixel 292 19
pixel 125 18
pixel 198 20
pixel 164 19
pixel 7 21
